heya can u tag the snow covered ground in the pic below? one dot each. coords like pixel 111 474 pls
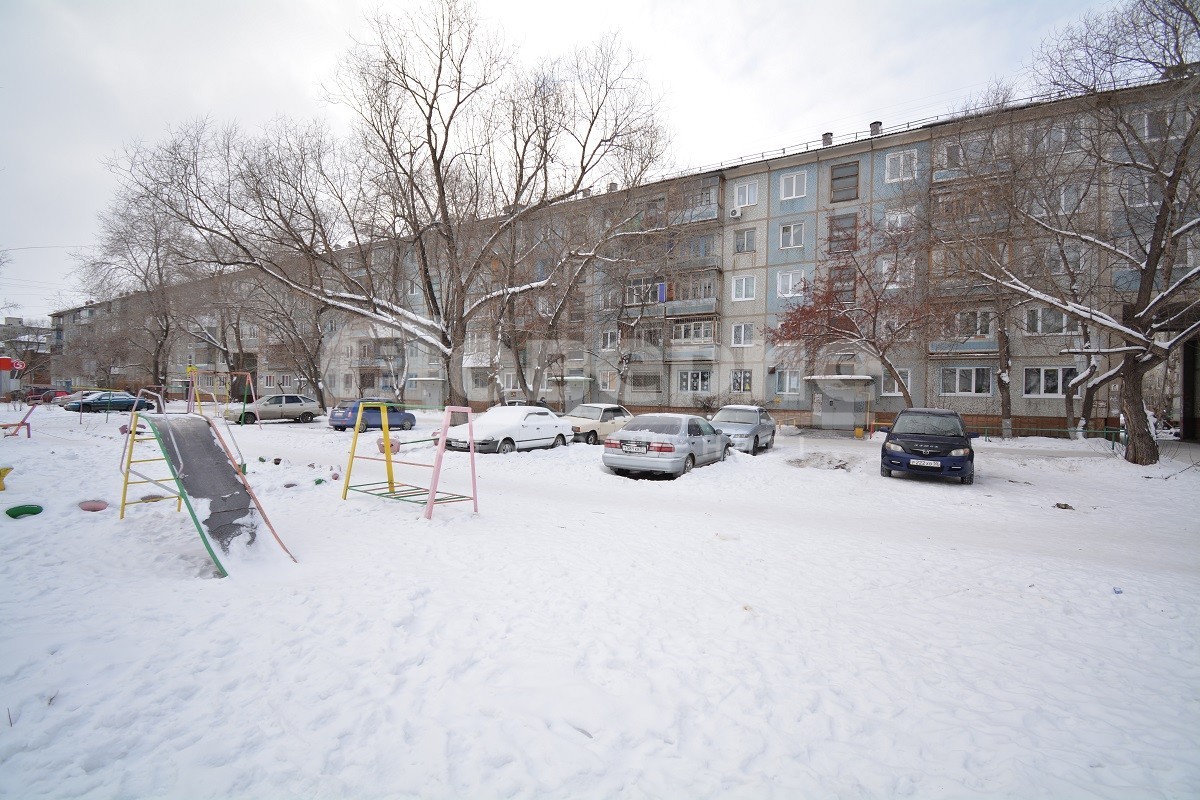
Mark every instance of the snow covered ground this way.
pixel 787 625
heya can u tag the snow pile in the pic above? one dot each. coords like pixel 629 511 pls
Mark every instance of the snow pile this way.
pixel 786 625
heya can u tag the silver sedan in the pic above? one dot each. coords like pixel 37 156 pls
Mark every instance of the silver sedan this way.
pixel 750 427
pixel 669 444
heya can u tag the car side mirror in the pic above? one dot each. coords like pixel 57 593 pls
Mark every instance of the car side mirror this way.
pixel 719 431
pixel 884 429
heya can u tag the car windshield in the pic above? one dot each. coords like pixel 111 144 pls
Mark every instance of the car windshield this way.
pixel 741 416
pixel 929 425
pixel 585 412
pixel 655 424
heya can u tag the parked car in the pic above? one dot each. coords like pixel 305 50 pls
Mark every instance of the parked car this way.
pixel 670 444
pixel 67 399
pixel 345 413
pixel 52 395
pixel 749 427
pixel 110 401
pixel 592 422
pixel 928 441
pixel 290 407
pixel 503 429
pixel 33 395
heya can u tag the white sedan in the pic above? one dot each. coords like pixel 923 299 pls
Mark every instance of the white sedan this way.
pixel 592 422
pixel 504 429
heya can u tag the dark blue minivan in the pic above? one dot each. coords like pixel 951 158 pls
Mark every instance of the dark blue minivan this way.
pixel 928 441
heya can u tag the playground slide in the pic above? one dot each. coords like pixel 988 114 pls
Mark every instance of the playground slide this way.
pixel 228 515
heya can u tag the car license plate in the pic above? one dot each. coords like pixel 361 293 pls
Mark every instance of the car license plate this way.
pixel 921 462
pixel 633 447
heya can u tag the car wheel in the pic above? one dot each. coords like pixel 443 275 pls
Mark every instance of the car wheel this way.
pixel 307 417
pixel 362 426
pixel 688 463
pixel 754 447
pixel 339 427
pixel 620 473
pixel 967 480
pixel 590 438
pixel 247 419
pixel 559 441
pixel 725 452
pixel 770 443
pixel 406 425
pixel 506 447
pixel 885 472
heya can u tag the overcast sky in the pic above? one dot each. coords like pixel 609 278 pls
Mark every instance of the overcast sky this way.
pixel 79 78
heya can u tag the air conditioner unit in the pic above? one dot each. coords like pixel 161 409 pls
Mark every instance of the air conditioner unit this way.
pixel 734 213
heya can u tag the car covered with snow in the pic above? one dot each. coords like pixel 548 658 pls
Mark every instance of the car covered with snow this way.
pixel 503 429
pixel 593 422
pixel 750 428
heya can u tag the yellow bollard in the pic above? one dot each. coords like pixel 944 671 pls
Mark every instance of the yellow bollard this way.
pixel 4 471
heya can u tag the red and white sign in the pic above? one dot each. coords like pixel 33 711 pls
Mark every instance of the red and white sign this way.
pixel 18 364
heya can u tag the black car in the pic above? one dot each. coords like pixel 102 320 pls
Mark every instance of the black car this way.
pixel 928 441
pixel 111 401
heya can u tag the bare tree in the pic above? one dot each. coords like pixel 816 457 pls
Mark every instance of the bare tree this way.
pixel 1119 187
pixel 455 147
pixel 137 257
pixel 866 296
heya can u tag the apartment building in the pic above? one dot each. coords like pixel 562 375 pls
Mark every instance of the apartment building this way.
pixel 676 312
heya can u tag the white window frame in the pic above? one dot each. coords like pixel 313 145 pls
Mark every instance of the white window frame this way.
pixel 888 386
pixel 743 288
pixel 898 274
pixel 791 236
pixel 899 219
pixel 745 240
pixel 900 167
pixel 789 381
pixel 609 340
pixel 741 334
pixel 608 380
pixel 695 331
pixel 746 194
pixel 1042 321
pixel 268 380
pixel 972 374
pixel 285 381
pixel 792 283
pixel 981 329
pixel 694 380
pixel 1061 376
pixel 798 185
pixel 741 381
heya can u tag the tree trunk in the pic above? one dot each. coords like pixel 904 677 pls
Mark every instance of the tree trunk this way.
pixel 1004 379
pixel 1140 444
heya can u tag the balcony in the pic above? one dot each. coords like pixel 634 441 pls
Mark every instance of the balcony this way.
pixel 689 351
pixel 684 308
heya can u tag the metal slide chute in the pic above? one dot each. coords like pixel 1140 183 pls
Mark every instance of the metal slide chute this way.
pixel 206 477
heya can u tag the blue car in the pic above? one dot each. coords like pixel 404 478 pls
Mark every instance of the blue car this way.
pixel 344 414
pixel 928 441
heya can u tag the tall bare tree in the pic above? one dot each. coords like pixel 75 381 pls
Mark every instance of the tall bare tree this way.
pixel 1113 190
pixel 138 256
pixel 455 147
